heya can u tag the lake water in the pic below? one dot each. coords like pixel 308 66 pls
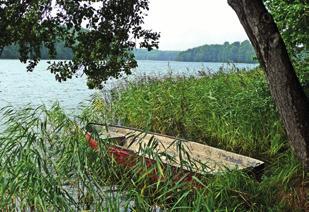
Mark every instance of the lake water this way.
pixel 19 87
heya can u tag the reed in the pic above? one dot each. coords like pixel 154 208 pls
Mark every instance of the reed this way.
pixel 230 109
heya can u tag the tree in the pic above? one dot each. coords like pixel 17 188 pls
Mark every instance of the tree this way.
pixel 101 36
pixel 291 101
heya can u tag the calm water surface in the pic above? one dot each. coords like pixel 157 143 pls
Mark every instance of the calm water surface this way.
pixel 18 87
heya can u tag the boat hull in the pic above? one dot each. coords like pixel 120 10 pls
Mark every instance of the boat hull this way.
pixel 126 153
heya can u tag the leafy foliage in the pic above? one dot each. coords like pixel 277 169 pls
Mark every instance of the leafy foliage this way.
pixel 100 51
pixel 292 18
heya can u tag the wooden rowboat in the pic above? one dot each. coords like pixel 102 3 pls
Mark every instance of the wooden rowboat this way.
pixel 128 143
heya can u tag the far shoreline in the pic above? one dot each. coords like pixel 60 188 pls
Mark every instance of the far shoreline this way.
pixel 181 61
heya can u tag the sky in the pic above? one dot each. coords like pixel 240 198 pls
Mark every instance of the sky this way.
pixel 186 24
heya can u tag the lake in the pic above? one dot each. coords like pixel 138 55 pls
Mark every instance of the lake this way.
pixel 19 87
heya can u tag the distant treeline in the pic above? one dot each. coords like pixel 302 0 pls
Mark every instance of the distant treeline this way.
pixel 235 52
pixel 144 54
pixel 11 52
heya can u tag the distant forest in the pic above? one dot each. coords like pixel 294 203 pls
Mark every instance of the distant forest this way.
pixel 144 54
pixel 237 52
pixel 11 52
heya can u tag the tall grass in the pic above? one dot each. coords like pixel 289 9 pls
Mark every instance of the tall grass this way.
pixel 46 164
pixel 231 110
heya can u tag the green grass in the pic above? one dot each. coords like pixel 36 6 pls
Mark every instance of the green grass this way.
pixel 233 111
pixel 42 149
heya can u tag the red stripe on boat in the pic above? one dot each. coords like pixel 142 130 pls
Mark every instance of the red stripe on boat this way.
pixel 91 141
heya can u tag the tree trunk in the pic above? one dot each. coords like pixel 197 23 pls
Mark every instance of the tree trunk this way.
pixel 285 88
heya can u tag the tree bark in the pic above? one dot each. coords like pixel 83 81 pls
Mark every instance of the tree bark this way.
pixel 285 88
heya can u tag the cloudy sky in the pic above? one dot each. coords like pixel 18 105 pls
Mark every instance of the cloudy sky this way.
pixel 185 24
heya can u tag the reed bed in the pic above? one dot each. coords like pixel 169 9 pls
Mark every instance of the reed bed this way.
pixel 48 166
pixel 231 109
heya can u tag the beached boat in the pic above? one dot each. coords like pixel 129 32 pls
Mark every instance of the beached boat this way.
pixel 128 144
